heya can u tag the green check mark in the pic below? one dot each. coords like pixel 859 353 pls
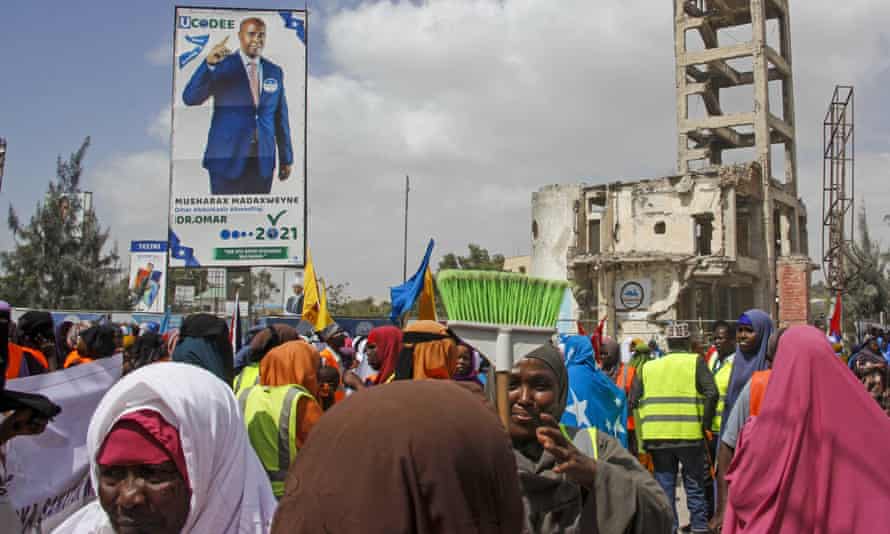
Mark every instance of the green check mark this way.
pixel 274 220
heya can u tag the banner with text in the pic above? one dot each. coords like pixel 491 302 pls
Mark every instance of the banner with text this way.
pixel 238 146
pixel 47 476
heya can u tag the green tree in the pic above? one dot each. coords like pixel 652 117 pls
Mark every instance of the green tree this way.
pixel 340 304
pixel 59 259
pixel 868 293
pixel 478 259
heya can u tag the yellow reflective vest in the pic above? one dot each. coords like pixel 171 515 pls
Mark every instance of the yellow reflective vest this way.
pixel 721 377
pixel 591 431
pixel 671 407
pixel 248 377
pixel 270 416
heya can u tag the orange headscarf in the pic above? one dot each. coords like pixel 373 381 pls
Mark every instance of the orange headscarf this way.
pixel 432 359
pixel 294 362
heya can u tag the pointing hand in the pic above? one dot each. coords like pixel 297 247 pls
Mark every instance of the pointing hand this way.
pixel 218 52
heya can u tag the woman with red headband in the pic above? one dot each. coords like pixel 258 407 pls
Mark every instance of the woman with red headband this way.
pixel 168 453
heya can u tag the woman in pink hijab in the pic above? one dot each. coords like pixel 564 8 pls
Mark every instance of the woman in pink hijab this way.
pixel 814 460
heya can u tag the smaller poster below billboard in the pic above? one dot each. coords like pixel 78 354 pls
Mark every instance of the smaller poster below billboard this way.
pixel 148 275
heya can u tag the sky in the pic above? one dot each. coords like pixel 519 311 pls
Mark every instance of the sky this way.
pixel 481 102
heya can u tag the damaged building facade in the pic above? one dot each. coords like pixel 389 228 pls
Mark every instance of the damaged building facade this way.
pixel 661 256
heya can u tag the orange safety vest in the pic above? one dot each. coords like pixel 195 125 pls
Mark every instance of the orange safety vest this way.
pixel 759 381
pixel 17 357
pixel 74 358
pixel 624 381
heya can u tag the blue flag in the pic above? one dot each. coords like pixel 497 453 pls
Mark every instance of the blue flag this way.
pixel 593 400
pixel 294 23
pixel 404 296
pixel 165 322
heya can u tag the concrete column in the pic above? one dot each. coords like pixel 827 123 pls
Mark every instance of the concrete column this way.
pixel 730 220
pixel 682 101
pixel 785 232
pixel 762 143
pixel 788 103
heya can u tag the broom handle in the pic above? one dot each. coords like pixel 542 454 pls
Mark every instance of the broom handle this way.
pixel 502 382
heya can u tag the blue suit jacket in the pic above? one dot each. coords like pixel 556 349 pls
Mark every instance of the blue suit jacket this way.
pixel 236 119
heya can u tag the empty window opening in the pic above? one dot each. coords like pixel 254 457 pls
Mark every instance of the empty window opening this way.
pixel 704 232
pixel 742 230
pixel 593 236
pixel 660 228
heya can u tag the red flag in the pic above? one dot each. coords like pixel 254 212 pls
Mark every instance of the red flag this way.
pixel 597 340
pixel 835 328
pixel 235 326
pixel 581 331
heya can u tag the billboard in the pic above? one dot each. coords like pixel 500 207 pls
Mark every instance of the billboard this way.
pixel 238 142
pixel 148 271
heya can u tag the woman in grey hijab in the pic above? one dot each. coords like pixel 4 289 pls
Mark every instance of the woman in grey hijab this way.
pixel 574 481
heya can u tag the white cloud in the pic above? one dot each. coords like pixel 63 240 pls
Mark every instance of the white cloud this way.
pixel 160 55
pixel 483 102
pixel 159 127
pixel 130 193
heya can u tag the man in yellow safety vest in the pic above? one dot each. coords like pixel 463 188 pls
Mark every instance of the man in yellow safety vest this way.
pixel 677 398
pixel 273 420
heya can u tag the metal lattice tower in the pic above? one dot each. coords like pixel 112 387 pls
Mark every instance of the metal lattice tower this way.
pixel 838 187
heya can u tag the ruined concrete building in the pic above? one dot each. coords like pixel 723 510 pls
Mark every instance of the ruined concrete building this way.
pixel 725 234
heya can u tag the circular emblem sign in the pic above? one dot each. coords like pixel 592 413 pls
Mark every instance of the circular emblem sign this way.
pixel 270 85
pixel 632 295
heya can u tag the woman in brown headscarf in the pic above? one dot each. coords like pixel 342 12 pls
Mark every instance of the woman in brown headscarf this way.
pixel 441 463
pixel 429 350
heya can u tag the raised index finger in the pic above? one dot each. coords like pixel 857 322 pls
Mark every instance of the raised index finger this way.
pixel 223 42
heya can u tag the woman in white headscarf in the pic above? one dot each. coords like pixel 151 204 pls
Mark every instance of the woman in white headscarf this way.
pixel 177 428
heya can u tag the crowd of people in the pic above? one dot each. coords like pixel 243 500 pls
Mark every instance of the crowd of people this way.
pixel 767 429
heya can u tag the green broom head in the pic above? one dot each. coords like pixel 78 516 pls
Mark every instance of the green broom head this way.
pixel 496 297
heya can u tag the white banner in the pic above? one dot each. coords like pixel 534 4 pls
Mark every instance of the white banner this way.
pixel 238 146
pixel 47 476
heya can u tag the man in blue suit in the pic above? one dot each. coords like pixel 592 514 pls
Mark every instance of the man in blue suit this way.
pixel 249 115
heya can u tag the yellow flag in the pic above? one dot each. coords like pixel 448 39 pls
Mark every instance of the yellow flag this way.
pixel 311 295
pixel 324 318
pixel 426 302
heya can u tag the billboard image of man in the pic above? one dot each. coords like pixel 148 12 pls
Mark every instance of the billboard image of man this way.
pixel 250 118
